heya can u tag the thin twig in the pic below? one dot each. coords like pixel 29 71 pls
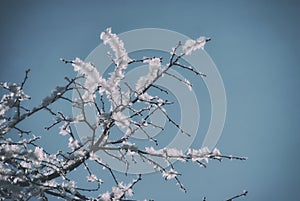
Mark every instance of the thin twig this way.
pixel 25 78
pixel 237 196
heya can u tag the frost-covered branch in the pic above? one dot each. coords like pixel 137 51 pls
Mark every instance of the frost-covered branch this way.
pixel 30 170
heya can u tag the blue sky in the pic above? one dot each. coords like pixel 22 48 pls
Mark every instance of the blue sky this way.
pixel 255 47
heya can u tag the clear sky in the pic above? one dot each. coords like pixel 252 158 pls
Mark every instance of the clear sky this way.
pixel 255 45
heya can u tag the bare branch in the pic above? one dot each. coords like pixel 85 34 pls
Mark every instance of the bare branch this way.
pixel 237 196
pixel 25 78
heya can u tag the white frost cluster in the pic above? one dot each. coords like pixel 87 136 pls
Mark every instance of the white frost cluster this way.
pixel 168 152
pixel 51 183
pixel 55 93
pixel 64 129
pixel 91 178
pixel 192 45
pixel 154 69
pixel 117 193
pixel 73 144
pixel 70 185
pixel 202 154
pixel 121 120
pixel 105 197
pixel 121 189
pixel 121 60
pixel 121 57
pixel 145 97
pixel 18 153
pixel 170 174
pixel 39 153
pixel 9 100
pixel 94 157
pixel 93 78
